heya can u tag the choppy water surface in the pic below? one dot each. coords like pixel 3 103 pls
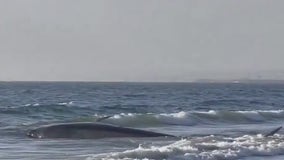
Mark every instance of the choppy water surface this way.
pixel 218 121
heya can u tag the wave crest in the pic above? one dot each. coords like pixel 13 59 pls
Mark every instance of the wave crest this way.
pixel 197 117
pixel 200 148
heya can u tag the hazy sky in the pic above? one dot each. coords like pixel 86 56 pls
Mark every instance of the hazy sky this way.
pixel 140 40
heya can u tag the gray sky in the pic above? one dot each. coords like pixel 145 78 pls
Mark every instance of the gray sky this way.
pixel 141 40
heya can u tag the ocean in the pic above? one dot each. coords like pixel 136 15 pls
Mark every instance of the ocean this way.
pixel 215 121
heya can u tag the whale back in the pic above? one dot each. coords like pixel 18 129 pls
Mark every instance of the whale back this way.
pixel 89 131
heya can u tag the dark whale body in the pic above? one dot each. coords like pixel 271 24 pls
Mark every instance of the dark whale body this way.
pixel 89 131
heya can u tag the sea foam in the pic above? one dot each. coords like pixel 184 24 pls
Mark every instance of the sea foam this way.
pixel 204 148
pixel 191 118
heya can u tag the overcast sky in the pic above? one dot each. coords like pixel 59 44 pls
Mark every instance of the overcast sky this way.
pixel 140 40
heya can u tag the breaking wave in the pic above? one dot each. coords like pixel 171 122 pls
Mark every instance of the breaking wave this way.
pixel 203 148
pixel 196 117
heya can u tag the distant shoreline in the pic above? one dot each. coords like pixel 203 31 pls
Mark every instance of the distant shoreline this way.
pixel 245 81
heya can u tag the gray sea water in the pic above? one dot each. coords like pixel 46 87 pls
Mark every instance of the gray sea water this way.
pixel 220 121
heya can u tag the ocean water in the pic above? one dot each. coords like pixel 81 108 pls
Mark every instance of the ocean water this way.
pixel 216 121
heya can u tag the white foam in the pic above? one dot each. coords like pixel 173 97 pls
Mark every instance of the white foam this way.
pixel 198 117
pixel 204 148
pixel 211 112
pixel 66 103
pixel 36 104
pixel 181 114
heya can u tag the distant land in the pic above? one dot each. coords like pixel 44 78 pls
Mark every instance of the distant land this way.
pixel 249 81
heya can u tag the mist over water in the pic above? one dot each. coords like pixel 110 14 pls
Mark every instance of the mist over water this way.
pixel 140 40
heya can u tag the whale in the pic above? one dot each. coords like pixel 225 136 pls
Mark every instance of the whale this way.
pixel 89 130
pixel 97 130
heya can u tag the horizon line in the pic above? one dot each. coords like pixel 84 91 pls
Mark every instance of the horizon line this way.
pixel 244 80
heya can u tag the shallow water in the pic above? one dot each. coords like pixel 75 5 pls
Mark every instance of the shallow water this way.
pixel 217 121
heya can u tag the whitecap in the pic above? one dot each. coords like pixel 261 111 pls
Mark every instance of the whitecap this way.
pixel 204 148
